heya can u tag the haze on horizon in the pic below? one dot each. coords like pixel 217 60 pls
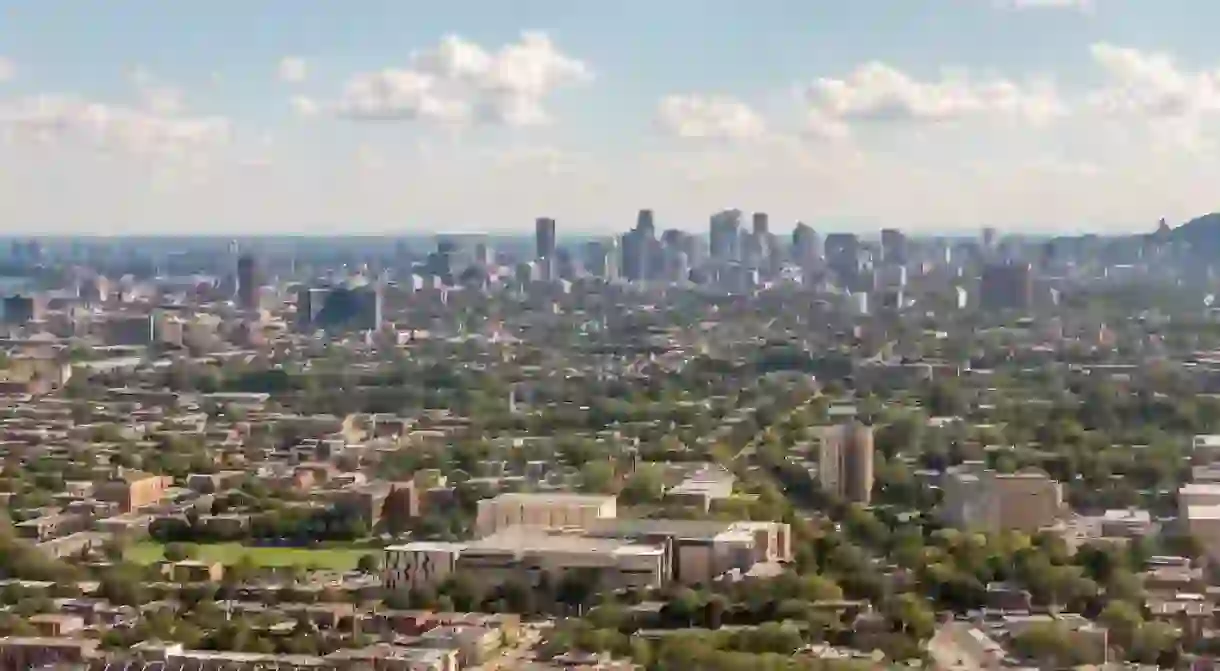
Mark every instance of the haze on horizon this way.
pixel 310 117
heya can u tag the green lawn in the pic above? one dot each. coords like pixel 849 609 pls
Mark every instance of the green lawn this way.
pixel 339 559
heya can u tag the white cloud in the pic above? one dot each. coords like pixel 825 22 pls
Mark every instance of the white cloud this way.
pixel 8 69
pixel 293 70
pixel 1151 84
pixel 709 117
pixel 460 82
pixel 876 91
pixel 304 107
pixel 109 127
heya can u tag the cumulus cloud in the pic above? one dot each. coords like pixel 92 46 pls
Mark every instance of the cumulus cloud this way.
pixel 709 117
pixel 459 82
pixel 108 127
pixel 8 69
pixel 1152 84
pixel 293 70
pixel 876 91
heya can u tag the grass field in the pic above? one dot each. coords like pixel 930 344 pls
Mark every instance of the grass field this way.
pixel 339 559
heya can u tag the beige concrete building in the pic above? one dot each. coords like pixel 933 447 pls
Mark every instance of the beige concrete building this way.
pixel 1199 508
pixel 526 553
pixel 845 465
pixel 542 510
pixel 990 501
pixel 621 553
pixel 422 564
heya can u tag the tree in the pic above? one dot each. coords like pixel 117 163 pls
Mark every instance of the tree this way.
pixel 122 588
pixel 597 477
pixel 576 587
pixel 1156 643
pixel 177 552
pixel 368 564
pixel 1048 643
pixel 462 591
pixel 645 485
pixel 911 614
pixel 682 607
pixel 1123 620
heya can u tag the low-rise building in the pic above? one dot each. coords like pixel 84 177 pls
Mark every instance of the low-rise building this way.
pixel 554 510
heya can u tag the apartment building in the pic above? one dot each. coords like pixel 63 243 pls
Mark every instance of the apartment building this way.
pixel 845 464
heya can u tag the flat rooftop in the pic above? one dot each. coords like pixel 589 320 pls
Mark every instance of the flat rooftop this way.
pixel 525 498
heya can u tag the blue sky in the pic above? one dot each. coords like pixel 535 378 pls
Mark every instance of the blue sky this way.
pixel 311 116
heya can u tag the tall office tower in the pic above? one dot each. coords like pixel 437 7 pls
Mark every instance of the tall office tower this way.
pixel 484 255
pixel 988 238
pixel 597 259
pixel 845 465
pixel 672 238
pixel 724 235
pixel 804 241
pixel 677 265
pixel 1007 286
pixel 646 224
pixel 632 244
pixel 544 242
pixel 893 246
pixel 544 237
pixel 843 256
pixel 566 266
pixel 761 224
pixel 247 282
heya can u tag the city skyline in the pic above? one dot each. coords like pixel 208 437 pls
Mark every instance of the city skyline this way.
pixel 932 116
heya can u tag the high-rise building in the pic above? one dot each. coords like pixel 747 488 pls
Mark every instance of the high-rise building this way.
pixel 597 259
pixel 632 245
pixel 1007 286
pixel 893 246
pixel 988 238
pixel 544 238
pixel 21 309
pixel 845 466
pixel 724 235
pixel 761 224
pixel 247 282
pixel 646 224
pixel 843 256
pixel 804 244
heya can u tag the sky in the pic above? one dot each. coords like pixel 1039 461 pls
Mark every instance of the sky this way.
pixel 409 117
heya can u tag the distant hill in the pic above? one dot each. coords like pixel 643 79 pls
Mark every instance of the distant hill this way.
pixel 1201 234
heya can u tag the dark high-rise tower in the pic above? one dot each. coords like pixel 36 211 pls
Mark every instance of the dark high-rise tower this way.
pixel 247 282
pixel 724 235
pixel 761 224
pixel 544 238
pixel 645 224
pixel 544 242
pixel 1007 286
